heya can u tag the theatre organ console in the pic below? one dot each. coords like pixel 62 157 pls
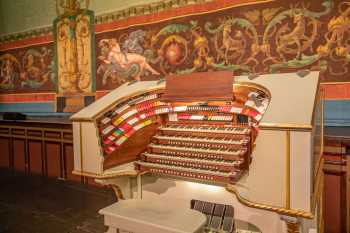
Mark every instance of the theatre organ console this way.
pixel 158 139
pixel 197 137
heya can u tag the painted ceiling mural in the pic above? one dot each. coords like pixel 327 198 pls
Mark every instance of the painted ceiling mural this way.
pixel 27 69
pixel 264 38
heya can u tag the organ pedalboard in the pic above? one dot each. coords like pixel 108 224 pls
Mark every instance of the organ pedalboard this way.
pixel 206 139
pixel 220 218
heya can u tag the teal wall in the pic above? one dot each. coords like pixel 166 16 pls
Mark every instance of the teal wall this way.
pixel 337 112
pixel 22 15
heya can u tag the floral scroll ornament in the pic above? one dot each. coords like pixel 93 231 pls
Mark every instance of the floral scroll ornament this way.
pixel 172 46
pixel 293 41
pixel 337 45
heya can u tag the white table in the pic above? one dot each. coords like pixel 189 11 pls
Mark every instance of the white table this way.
pixel 139 216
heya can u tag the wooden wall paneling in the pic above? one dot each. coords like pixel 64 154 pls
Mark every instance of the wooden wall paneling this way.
pixel 35 157
pixel 62 166
pixel 343 201
pixel 53 159
pixel 334 202
pixel 38 148
pixel 5 155
pixel 44 157
pixel 11 148
pixel 348 191
pixel 69 163
pixel 19 155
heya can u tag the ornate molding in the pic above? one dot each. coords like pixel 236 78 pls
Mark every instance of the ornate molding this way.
pixel 107 17
pixel 279 210
pixel 151 8
pixel 117 191
pixel 146 9
pixel 42 31
pixel 107 175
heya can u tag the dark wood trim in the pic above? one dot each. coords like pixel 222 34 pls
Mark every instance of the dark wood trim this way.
pixel 29 156
pixel 61 159
pixel 335 165
pixel 343 200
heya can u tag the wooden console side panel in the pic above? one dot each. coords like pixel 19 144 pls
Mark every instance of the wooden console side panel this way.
pixel 130 150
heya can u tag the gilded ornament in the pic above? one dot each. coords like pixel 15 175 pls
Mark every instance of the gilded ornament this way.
pixel 173 53
pixel 341 51
pixel 269 13
pixel 210 60
pixel 197 63
pixel 323 50
pixel 338 22
pixel 200 41
pixel 253 16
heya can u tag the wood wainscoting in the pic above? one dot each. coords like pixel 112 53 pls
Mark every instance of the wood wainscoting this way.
pixel 337 180
pixel 39 148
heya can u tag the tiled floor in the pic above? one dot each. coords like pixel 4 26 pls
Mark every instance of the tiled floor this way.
pixel 32 204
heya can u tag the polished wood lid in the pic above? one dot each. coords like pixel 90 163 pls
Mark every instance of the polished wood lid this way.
pixel 202 86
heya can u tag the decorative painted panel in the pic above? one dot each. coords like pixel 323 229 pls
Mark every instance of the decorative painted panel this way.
pixel 27 69
pixel 74 36
pixel 252 39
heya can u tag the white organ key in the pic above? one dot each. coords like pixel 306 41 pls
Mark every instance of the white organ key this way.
pixel 207 129
pixel 198 139
pixel 227 152
pixel 192 160
pixel 122 108
pixel 180 108
pixel 129 113
pixel 183 169
pixel 105 120
pixel 132 121
pixel 107 129
pixel 196 117
pixel 142 116
pixel 138 126
pixel 121 140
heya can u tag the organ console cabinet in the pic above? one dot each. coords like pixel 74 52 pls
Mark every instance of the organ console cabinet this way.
pixel 254 144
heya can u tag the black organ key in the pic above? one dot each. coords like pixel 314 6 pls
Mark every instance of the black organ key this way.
pixel 217 216
pixel 228 221
pixel 208 210
pixel 198 205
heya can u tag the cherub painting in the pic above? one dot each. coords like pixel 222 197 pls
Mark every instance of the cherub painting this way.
pixel 120 65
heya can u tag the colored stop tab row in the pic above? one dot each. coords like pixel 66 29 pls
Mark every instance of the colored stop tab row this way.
pixel 124 134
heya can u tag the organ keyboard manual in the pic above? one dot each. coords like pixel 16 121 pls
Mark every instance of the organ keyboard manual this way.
pixel 212 137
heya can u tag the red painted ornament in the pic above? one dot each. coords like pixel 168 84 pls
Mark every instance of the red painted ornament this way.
pixel 173 53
